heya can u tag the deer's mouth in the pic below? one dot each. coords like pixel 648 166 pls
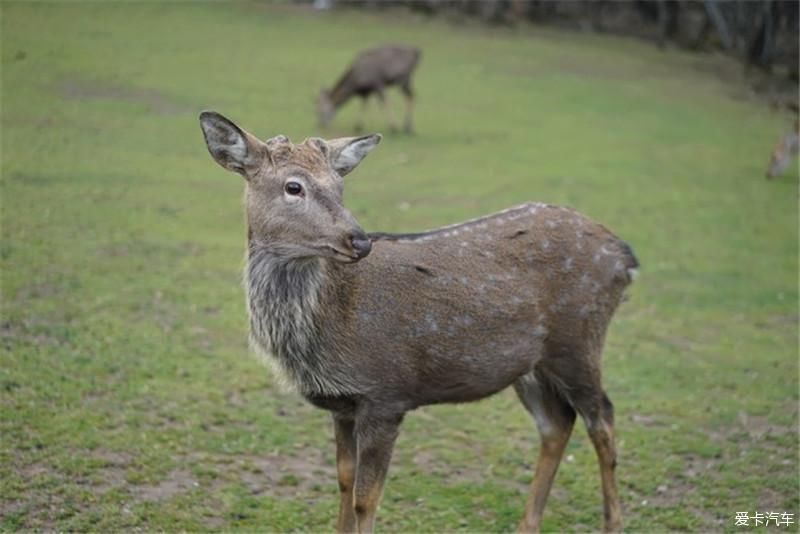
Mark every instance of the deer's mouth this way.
pixel 342 256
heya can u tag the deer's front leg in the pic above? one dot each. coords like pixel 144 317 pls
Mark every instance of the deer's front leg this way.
pixel 375 438
pixel 344 430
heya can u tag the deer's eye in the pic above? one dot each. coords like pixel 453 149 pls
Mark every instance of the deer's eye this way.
pixel 293 188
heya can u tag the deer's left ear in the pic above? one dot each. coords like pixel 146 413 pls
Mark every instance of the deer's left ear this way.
pixel 347 152
pixel 230 146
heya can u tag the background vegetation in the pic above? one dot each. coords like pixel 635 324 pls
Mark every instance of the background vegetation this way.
pixel 129 399
pixel 762 34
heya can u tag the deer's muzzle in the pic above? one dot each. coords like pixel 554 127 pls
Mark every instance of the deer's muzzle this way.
pixel 361 245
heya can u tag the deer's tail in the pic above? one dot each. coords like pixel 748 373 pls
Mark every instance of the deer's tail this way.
pixel 630 261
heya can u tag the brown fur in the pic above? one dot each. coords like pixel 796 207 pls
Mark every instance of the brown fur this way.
pixel 519 298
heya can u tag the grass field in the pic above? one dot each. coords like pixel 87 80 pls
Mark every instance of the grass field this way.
pixel 129 399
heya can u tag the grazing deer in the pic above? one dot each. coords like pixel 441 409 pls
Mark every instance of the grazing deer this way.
pixel 371 72
pixel 785 152
pixel 371 326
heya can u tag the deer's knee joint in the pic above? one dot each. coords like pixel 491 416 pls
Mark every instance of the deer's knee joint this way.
pixel 554 442
pixel 346 482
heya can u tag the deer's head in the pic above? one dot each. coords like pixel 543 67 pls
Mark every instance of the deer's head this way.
pixel 294 192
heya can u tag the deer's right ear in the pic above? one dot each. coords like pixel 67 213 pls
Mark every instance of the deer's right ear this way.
pixel 230 146
pixel 347 152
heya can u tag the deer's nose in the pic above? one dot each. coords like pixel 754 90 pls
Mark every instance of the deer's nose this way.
pixel 361 244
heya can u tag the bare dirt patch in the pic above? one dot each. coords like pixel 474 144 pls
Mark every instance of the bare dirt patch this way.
pixel 275 474
pixel 672 493
pixel 176 482
pixel 646 420
pixel 751 429
pixel 428 462
pixel 769 500
pixel 698 467
pixel 112 474
pixel 679 490
pixel 156 102
pixel 759 426
pixel 287 476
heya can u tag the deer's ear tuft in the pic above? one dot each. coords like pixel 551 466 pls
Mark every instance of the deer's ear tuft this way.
pixel 230 146
pixel 347 152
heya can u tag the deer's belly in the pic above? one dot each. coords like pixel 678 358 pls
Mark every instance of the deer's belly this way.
pixel 470 369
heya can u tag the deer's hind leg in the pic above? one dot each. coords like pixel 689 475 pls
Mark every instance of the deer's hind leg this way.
pixel 554 418
pixel 598 414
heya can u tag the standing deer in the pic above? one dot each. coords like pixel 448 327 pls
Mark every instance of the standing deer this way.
pixel 785 152
pixel 371 326
pixel 370 73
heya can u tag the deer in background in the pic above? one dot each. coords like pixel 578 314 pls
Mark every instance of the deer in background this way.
pixel 785 152
pixel 371 72
pixel 371 326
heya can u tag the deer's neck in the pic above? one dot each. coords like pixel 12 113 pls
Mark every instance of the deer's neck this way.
pixel 291 302
pixel 342 91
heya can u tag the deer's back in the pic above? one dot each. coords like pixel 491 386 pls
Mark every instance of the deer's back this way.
pixel 383 65
pixel 537 249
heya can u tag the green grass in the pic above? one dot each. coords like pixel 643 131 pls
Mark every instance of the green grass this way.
pixel 129 399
